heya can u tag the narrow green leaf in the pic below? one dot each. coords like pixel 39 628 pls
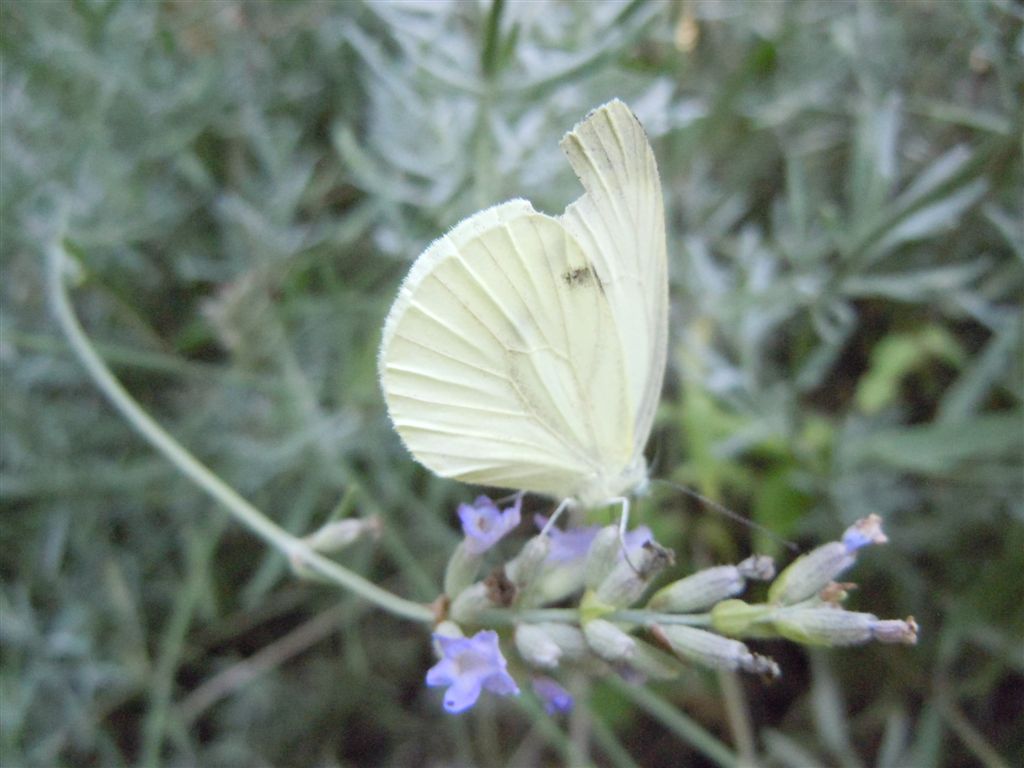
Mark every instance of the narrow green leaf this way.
pixel 967 394
pixel 938 448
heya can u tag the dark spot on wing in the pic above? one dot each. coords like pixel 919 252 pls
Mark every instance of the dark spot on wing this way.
pixel 580 277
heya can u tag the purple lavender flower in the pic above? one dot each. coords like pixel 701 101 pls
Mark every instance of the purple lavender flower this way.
pixel 468 666
pixel 570 544
pixel 574 543
pixel 485 525
pixel 554 696
pixel 865 531
pixel 637 538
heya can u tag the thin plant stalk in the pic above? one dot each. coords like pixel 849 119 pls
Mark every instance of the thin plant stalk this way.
pixel 302 557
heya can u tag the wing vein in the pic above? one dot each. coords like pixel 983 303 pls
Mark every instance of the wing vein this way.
pixel 458 406
pixel 447 356
pixel 444 323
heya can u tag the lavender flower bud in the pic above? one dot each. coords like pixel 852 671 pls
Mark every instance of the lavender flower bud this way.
pixel 607 551
pixel 569 639
pixel 471 602
pixel 654 664
pixel 703 589
pixel 699 591
pixel 602 556
pixel 608 641
pixel 536 646
pixel 831 626
pixel 525 569
pixel 902 631
pixel 461 571
pixel 446 628
pixel 714 651
pixel 628 580
pixel 810 573
pixel 339 534
pixel 757 568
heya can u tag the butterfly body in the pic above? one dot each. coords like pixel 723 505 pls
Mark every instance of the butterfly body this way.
pixel 527 351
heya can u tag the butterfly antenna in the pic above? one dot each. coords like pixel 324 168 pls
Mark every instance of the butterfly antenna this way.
pixel 721 509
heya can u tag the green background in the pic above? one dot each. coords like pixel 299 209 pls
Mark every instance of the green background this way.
pixel 244 184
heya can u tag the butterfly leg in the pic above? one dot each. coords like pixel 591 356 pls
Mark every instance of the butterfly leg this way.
pixel 510 497
pixel 623 518
pixel 623 525
pixel 565 504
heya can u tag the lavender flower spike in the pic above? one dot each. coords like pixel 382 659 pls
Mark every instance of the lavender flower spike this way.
pixel 485 525
pixel 470 665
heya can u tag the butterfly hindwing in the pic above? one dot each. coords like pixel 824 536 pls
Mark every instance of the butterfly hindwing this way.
pixel 501 362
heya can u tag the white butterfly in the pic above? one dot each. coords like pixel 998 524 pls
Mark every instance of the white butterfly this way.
pixel 527 351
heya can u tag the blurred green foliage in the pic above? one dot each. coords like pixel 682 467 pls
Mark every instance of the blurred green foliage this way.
pixel 245 184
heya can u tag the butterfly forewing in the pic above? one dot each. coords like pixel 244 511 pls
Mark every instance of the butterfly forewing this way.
pixel 620 224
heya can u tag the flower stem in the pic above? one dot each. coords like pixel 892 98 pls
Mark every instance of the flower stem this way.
pixel 293 548
pixel 572 615
pixel 739 717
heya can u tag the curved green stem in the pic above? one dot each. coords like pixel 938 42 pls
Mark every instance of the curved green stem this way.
pixel 739 717
pixel 298 552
